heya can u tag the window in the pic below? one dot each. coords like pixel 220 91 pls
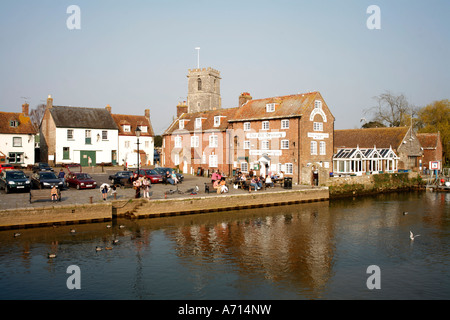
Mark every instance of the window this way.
pixel 270 107
pixel 318 126
pixel 244 166
pixel 15 157
pixel 265 145
pixel 213 160
pixel 284 144
pixel 313 147
pixel 318 104
pixel 322 149
pixel 284 124
pixel 246 144
pixel 195 141
pixel 176 159
pixel 87 136
pixel 17 141
pixel 66 153
pixel 104 135
pixel 216 121
pixel 143 128
pixel 246 126
pixel 199 84
pixel 126 128
pixel 181 124
pixel 177 142
pixel 198 123
pixel 213 141
pixel 14 123
pixel 265 125
pixel 289 168
pixel 69 134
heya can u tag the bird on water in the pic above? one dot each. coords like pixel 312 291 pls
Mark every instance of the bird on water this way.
pixel 412 236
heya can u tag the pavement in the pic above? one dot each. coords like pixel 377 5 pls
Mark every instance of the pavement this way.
pixel 101 175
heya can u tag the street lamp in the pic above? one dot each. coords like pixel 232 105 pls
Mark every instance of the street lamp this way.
pixel 138 134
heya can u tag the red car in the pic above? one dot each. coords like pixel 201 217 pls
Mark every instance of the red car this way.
pixel 5 166
pixel 154 176
pixel 80 180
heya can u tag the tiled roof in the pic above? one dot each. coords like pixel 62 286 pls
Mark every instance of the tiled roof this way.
pixel 370 137
pixel 24 127
pixel 285 107
pixel 133 122
pixel 76 117
pixel 428 140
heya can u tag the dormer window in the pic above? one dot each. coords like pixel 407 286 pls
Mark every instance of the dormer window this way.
pixel 318 104
pixel 198 123
pixel 216 121
pixel 14 123
pixel 126 128
pixel 181 124
pixel 143 128
pixel 270 107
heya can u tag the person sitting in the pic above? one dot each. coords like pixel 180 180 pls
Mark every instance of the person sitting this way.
pixel 252 184
pixel 269 181
pixel 174 177
pixel 223 186
pixel 169 178
pixel 54 194
pixel 216 185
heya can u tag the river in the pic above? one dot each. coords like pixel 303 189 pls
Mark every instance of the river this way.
pixel 317 250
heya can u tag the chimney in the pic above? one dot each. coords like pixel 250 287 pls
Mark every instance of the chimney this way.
pixel 147 113
pixel 49 101
pixel 25 109
pixel 181 108
pixel 243 98
pixel 108 107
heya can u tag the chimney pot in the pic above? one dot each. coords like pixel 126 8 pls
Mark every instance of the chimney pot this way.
pixel 108 107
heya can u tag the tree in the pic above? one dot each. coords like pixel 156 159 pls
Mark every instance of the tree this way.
pixel 435 117
pixel 392 110
pixel 372 124
pixel 158 141
pixel 36 116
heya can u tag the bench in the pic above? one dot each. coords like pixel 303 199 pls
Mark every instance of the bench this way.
pixel 44 194
pixel 210 187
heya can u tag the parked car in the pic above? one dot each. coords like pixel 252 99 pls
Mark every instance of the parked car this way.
pixel 42 166
pixel 153 175
pixel 80 180
pixel 14 180
pixel 162 171
pixel 5 166
pixel 46 180
pixel 120 177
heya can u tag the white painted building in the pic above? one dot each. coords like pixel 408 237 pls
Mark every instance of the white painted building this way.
pixel 17 138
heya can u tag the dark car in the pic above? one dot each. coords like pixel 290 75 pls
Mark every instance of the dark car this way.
pixel 80 180
pixel 153 175
pixel 46 180
pixel 120 177
pixel 163 171
pixel 14 180
pixel 42 166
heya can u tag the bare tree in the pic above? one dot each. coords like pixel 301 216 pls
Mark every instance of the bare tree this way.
pixel 392 110
pixel 36 116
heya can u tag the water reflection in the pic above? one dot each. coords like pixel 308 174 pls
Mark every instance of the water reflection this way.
pixel 312 251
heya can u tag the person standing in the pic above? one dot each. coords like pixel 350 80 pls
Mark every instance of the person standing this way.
pixel 137 186
pixel 146 185
pixel 61 176
pixel 104 188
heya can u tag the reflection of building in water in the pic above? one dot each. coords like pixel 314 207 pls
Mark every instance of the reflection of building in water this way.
pixel 293 248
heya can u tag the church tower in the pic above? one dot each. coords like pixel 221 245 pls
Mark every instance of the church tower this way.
pixel 203 90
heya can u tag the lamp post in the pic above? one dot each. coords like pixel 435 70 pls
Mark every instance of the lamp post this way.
pixel 138 134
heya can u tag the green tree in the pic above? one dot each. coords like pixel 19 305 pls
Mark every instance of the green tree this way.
pixel 435 117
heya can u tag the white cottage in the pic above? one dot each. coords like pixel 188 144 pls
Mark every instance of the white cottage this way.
pixel 87 136
pixel 17 138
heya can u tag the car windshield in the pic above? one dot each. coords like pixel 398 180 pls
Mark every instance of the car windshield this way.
pixel 15 175
pixel 152 172
pixel 47 175
pixel 83 176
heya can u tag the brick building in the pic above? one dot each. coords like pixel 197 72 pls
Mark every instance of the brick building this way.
pixel 432 149
pixel 293 134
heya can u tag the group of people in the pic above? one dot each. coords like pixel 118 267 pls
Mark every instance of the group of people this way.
pixel 257 182
pixel 171 177
pixel 142 183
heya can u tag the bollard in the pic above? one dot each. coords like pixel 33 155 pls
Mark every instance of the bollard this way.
pixel 90 199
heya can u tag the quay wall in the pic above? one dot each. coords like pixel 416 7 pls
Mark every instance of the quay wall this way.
pixel 142 208
pixel 373 183
pixel 164 208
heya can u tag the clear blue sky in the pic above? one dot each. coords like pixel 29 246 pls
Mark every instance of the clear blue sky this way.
pixel 135 54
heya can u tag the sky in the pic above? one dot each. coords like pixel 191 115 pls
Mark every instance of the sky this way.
pixel 135 55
